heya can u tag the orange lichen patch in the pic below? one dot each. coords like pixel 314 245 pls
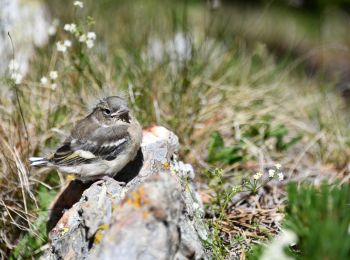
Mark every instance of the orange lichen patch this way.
pixel 99 233
pixel 166 165
pixel 98 237
pixel 138 198
pixel 70 177
pixel 143 194
pixel 103 227
pixel 129 201
pixel 145 214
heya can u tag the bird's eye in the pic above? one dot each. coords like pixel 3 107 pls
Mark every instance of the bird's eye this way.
pixel 107 111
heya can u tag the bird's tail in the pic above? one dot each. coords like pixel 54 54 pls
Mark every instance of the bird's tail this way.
pixel 38 161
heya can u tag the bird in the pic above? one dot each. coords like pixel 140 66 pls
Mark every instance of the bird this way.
pixel 100 145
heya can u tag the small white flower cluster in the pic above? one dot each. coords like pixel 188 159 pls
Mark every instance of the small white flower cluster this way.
pixel 53 76
pixel 272 173
pixel 276 172
pixel 14 72
pixel 78 4
pixel 280 176
pixel 72 28
pixel 88 38
pixel 257 176
pixel 62 47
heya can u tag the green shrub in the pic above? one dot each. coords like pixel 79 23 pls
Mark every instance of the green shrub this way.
pixel 320 218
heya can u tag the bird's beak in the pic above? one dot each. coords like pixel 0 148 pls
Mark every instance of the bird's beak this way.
pixel 121 112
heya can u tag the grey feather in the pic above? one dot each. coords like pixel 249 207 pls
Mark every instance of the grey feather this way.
pixel 104 143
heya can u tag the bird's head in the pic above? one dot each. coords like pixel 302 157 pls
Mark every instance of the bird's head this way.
pixel 111 109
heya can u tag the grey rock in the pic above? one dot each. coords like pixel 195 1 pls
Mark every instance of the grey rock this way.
pixel 157 215
pixel 145 223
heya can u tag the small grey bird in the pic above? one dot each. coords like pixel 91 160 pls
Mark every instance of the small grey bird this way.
pixel 100 145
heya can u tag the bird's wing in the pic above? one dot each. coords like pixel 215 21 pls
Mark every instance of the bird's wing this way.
pixel 104 143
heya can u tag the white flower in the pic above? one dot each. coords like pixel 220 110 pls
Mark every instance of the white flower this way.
pixel 67 43
pixel 272 173
pixel 280 176
pixel 66 27
pixel 53 75
pixel 278 166
pixel 43 80
pixel 17 77
pixel 70 27
pixel 257 176
pixel 73 28
pixel 82 38
pixel 13 65
pixel 91 36
pixel 53 86
pixel 90 43
pixel 61 47
pixel 79 4
pixel 89 39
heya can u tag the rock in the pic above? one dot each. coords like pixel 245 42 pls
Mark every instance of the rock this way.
pixel 145 223
pixel 28 23
pixel 157 215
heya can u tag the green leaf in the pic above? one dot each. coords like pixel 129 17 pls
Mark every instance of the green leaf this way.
pixel 215 146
